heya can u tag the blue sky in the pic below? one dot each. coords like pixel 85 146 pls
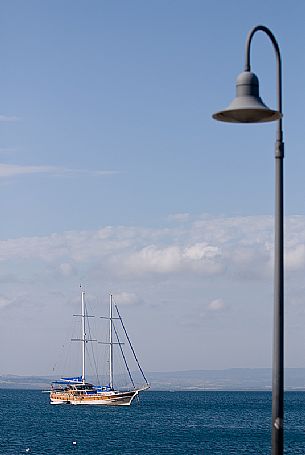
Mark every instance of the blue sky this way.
pixel 113 173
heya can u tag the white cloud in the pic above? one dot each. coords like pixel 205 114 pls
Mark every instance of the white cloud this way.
pixel 240 248
pixel 8 118
pixel 194 278
pixel 104 172
pixel 65 171
pixel 180 217
pixel 67 269
pixel 216 305
pixel 4 301
pixel 13 170
pixel 199 257
pixel 295 257
pixel 202 251
pixel 154 259
pixel 126 298
pixel 7 150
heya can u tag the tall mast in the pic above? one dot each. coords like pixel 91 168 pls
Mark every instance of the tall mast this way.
pixel 110 346
pixel 83 339
pixel 84 315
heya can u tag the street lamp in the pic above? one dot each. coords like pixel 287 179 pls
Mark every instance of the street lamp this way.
pixel 248 107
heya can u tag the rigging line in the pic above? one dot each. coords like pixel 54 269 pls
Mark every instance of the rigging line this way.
pixel 92 366
pixel 88 358
pixel 131 347
pixel 68 357
pixel 123 355
pixel 92 350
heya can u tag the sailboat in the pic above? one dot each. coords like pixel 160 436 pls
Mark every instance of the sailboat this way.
pixel 77 391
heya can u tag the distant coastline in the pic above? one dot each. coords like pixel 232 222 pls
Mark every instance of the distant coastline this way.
pixel 239 379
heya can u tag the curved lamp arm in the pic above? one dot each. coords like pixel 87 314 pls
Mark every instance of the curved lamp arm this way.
pixel 262 28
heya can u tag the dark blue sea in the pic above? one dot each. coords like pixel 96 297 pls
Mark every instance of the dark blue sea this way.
pixel 177 423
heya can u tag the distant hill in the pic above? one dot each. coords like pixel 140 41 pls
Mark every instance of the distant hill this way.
pixel 229 379
pixel 11 381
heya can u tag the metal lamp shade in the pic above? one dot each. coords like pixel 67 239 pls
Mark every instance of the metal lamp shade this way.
pixel 247 107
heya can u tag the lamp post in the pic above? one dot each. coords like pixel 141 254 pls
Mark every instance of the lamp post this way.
pixel 248 107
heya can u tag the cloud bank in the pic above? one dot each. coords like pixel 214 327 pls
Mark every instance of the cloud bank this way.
pixel 206 280
pixel 240 248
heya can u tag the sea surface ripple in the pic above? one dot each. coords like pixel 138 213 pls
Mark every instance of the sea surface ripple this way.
pixel 171 423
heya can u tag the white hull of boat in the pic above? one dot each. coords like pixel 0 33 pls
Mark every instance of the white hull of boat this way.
pixel 120 399
pixel 59 402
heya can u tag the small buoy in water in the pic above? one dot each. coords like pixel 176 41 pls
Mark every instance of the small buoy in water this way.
pixel 28 449
pixel 74 443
